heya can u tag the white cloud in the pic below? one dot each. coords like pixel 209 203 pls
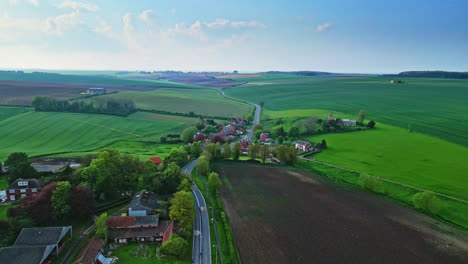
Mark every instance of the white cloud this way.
pixel 75 5
pixel 173 11
pixel 34 2
pixel 323 27
pixel 219 23
pixel 103 28
pixel 146 15
pixel 128 24
pixel 251 24
pixel 57 25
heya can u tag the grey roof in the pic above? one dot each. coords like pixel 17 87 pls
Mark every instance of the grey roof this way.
pixel 146 220
pixel 32 183
pixel 302 142
pixel 39 236
pixel 25 254
pixel 145 200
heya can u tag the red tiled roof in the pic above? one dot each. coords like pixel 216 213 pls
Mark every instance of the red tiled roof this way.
pixel 120 221
pixel 90 251
pixel 156 160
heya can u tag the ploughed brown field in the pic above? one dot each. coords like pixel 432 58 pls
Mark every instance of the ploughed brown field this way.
pixel 281 216
pixel 22 93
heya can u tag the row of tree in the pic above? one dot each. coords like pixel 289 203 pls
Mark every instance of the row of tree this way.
pixel 107 106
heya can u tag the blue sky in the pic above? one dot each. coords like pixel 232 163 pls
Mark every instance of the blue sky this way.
pixel 340 36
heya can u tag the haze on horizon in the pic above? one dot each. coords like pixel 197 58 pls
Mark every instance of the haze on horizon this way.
pixel 338 36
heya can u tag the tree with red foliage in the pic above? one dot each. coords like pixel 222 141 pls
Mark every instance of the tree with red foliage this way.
pixel 81 202
pixel 199 137
pixel 217 139
pixel 39 207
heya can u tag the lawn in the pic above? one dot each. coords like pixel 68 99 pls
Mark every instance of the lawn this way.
pixel 124 255
pixel 38 133
pixel 436 107
pixel 3 211
pixel 393 153
pixel 206 101
pixel 3 182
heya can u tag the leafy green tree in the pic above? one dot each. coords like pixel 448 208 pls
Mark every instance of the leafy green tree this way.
pixel 280 139
pixel 362 116
pixel 264 152
pixel 293 131
pixel 211 150
pixel 292 155
pixel 218 151
pixel 278 131
pixel 200 124
pixel 175 247
pixel 371 124
pixel 213 181
pixel 253 151
pixel 227 151
pixel 196 149
pixel 258 133
pixel 261 103
pixel 371 183
pixel 187 134
pixel 61 200
pixel 171 178
pixel 101 226
pixel 177 155
pixel 22 171
pixel 203 167
pixel 182 210
pixel 310 124
pixel 185 185
pixel 209 129
pixel 323 145
pixel 427 201
pixel 163 139
pixel 15 159
pixel 236 149
pixel 281 152
pixel 249 118
pixel 258 127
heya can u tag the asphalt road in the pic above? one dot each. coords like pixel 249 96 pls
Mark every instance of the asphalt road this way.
pixel 201 229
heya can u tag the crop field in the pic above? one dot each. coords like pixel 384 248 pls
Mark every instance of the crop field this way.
pixel 206 101
pixel 7 112
pixel 38 133
pixel 436 107
pixel 281 216
pixel 162 117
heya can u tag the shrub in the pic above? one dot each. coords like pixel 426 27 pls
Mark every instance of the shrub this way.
pixel 426 201
pixel 371 183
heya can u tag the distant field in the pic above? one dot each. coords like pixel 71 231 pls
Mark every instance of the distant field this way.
pixel 239 76
pixel 281 216
pixel 7 112
pixel 436 107
pixel 47 133
pixel 200 101
pixel 393 153
pixel 162 117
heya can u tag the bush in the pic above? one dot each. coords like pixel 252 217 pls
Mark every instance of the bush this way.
pixel 427 201
pixel 175 247
pixel 371 183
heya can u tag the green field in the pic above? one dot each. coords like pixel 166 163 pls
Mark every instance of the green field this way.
pixel 436 107
pixel 7 112
pixel 124 255
pixel 205 101
pixel 393 153
pixel 38 133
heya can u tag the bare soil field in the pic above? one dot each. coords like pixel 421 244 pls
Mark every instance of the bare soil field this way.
pixel 240 76
pixel 281 216
pixel 22 93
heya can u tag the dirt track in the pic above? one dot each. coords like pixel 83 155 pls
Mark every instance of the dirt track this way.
pixel 280 216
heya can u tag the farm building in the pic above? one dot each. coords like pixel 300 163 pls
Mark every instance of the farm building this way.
pixel 145 203
pixel 265 137
pixel 156 160
pixel 123 229
pixel 302 145
pixel 35 245
pixel 22 188
pixel 92 253
pixel 227 130
pixel 349 122
pixel 96 91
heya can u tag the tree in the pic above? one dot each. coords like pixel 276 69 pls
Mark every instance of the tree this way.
pixel 261 103
pixel 371 124
pixel 258 133
pixel 218 151
pixel 253 151
pixel 281 152
pixel 163 139
pixel 15 159
pixel 362 116
pixel 203 167
pixel 210 129
pixel 257 127
pixel 101 226
pixel 182 210
pixel 323 145
pixel 217 139
pixel 292 155
pixel 171 178
pixel 278 131
pixel 61 200
pixel 426 201
pixel 175 247
pixel 196 149
pixel 187 134
pixel 280 139
pixel 213 181
pixel 264 152
pixel 23 170
pixel 293 131
pixel 199 137
pixel 200 124
pixel 371 183
pixel 39 207
pixel 185 185
pixel 236 149
pixel 81 202
pixel 310 124
pixel 227 151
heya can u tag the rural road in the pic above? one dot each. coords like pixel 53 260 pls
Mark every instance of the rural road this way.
pixel 250 132
pixel 201 253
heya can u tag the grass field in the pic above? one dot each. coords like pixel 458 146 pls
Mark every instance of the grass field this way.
pixel 39 133
pixel 3 182
pixel 3 211
pixel 125 256
pixel 7 112
pixel 200 101
pixel 436 107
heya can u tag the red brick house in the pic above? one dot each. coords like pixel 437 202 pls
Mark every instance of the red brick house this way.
pixel 23 188
pixel 123 229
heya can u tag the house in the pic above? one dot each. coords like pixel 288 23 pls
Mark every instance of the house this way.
pixel 349 122
pixel 22 188
pixel 239 122
pixel 156 160
pixel 265 137
pixel 93 91
pixel 123 229
pixel 331 117
pixel 93 253
pixel 244 143
pixel 145 203
pixel 35 245
pixel 303 145
pixel 3 196
pixel 227 130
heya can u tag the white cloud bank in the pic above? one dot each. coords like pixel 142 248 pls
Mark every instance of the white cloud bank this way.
pixel 323 27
